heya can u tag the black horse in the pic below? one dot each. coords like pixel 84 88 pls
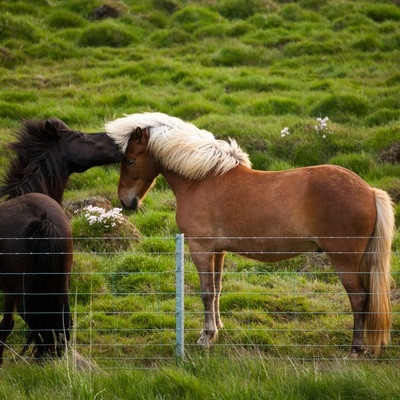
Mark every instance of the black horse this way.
pixel 47 152
pixel 35 235
pixel 35 264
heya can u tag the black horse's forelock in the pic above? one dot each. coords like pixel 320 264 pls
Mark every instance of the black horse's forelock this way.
pixel 34 167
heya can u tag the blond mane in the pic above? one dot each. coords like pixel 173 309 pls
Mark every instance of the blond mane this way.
pixel 180 146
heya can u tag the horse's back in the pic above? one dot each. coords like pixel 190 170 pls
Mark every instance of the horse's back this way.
pixel 305 201
pixel 293 209
pixel 333 200
pixel 24 217
pixel 17 213
pixel 324 201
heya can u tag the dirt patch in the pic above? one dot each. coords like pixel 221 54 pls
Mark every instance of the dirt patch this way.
pixel 391 155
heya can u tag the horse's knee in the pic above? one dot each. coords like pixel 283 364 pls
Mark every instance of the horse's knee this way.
pixel 208 299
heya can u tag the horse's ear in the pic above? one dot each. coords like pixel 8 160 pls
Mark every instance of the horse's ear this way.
pixel 146 135
pixel 51 129
pixel 137 135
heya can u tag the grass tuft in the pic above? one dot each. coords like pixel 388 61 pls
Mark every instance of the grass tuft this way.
pixel 107 34
pixel 361 164
pixel 341 107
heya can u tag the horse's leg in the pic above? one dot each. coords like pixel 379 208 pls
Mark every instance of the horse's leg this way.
pixel 204 262
pixel 358 296
pixel 358 301
pixel 7 323
pixel 219 264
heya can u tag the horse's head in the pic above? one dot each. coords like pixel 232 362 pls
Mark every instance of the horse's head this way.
pixel 81 151
pixel 48 152
pixel 49 344
pixel 50 330
pixel 138 170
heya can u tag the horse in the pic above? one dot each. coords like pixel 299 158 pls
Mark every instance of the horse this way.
pixel 34 272
pixel 223 205
pixel 35 265
pixel 47 152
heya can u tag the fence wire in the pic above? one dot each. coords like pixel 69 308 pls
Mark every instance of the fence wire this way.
pixel 123 305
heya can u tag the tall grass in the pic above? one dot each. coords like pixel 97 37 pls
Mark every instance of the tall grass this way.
pixel 197 378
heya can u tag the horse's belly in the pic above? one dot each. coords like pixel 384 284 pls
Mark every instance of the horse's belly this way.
pixel 270 250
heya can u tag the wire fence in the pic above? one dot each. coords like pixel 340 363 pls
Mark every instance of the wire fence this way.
pixel 142 308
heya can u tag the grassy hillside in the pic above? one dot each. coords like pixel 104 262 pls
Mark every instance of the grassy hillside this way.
pixel 259 71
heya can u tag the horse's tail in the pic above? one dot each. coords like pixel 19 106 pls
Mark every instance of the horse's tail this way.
pixel 47 247
pixel 376 265
pixel 49 313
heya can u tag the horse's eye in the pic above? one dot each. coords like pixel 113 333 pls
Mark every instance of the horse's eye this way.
pixel 131 161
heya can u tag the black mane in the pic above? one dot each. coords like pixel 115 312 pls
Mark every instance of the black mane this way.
pixel 35 166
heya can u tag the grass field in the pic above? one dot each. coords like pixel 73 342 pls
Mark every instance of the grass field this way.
pixel 265 72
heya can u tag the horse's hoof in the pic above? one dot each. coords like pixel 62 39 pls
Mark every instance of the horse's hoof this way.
pixel 371 355
pixel 204 342
pixel 352 356
pixel 355 355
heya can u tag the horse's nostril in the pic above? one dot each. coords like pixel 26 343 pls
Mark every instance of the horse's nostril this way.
pixel 132 206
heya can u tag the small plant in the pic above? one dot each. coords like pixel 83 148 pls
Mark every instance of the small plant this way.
pixel 322 127
pixel 98 230
pixel 285 131
pixel 98 215
pixel 312 148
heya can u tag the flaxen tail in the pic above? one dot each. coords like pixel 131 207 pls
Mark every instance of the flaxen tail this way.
pixel 376 265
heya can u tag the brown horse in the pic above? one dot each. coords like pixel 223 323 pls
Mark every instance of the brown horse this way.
pixel 224 205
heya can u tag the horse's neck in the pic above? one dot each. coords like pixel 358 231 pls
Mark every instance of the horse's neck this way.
pixel 53 189
pixel 178 184
pixel 184 187
pixel 57 196
pixel 57 192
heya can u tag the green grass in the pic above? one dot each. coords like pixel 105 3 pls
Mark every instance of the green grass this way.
pixel 199 377
pixel 241 69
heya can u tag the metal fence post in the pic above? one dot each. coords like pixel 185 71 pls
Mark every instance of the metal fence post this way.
pixel 180 294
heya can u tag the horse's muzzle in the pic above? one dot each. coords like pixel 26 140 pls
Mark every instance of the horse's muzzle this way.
pixel 133 205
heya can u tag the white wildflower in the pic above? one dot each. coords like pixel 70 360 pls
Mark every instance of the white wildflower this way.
pixel 285 131
pixel 322 127
pixel 98 215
